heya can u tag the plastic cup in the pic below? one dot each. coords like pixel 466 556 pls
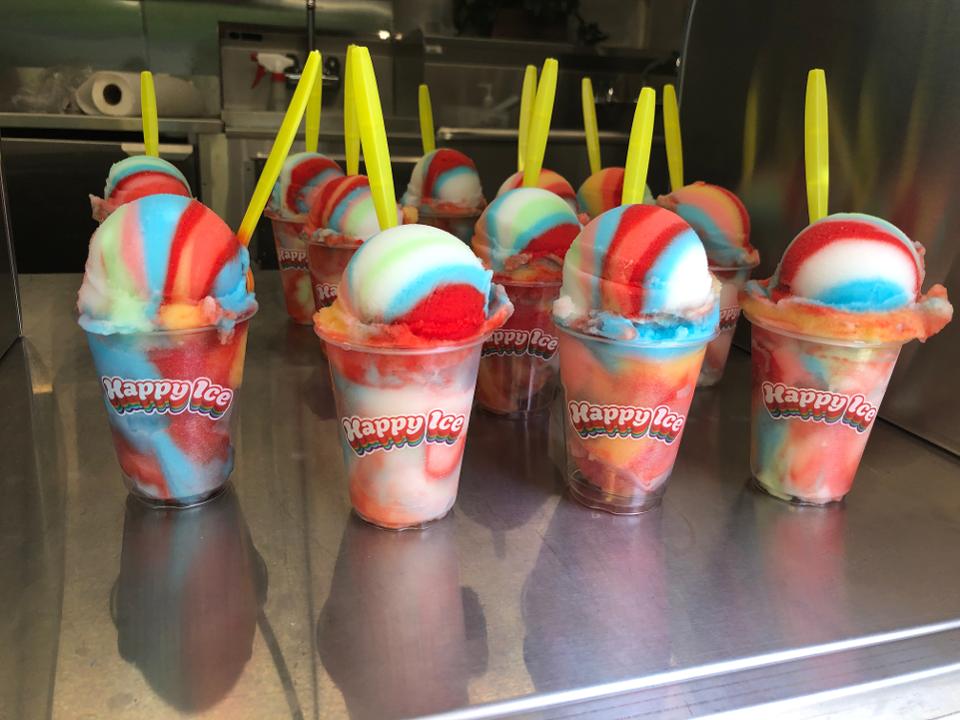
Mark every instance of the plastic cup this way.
pixel 171 402
pixel 403 418
pixel 519 367
pixel 294 273
pixel 732 280
pixel 813 403
pixel 626 406
pixel 327 263
pixel 459 224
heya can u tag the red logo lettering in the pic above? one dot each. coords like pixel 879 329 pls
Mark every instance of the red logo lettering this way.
pixel 509 342
pixel 367 435
pixel 822 406
pixel 167 397
pixel 625 421
pixel 292 259
pixel 324 293
pixel 729 317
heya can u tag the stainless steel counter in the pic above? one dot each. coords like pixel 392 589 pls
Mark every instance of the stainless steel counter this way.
pixel 273 601
pixel 63 121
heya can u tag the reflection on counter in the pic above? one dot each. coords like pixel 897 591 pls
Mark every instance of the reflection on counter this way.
pixel 399 634
pixel 508 455
pixel 598 590
pixel 186 603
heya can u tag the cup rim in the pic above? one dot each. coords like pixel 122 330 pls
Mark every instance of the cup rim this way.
pixel 292 219
pixel 731 268
pixel 428 211
pixel 319 241
pixel 645 344
pixel 181 331
pixel 528 283
pixel 836 342
pixel 431 350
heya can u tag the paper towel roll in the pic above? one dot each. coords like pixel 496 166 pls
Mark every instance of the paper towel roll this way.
pixel 118 94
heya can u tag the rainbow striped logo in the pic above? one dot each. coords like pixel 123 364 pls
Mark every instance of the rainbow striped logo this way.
pixel 325 293
pixel 368 435
pixel 625 421
pixel 821 406
pixel 510 342
pixel 201 396
pixel 729 317
pixel 292 259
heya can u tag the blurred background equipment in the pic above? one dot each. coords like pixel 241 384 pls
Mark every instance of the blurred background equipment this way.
pixel 894 110
pixel 218 126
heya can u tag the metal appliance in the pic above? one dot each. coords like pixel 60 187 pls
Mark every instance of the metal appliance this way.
pixel 9 295
pixel 894 149
pixel 49 177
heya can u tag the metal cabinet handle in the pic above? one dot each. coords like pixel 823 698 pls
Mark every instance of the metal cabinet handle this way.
pixel 478 133
pixel 171 151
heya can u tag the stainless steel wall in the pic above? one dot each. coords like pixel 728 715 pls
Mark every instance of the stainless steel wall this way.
pixel 894 145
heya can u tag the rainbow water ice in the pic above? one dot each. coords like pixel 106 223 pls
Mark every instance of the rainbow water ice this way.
pixel 301 177
pixel 165 302
pixel 523 236
pixel 722 223
pixel 603 190
pixel 136 177
pixel 719 219
pixel 164 262
pixel 445 181
pixel 403 339
pixel 343 212
pixel 636 310
pixel 827 330
pixel 549 180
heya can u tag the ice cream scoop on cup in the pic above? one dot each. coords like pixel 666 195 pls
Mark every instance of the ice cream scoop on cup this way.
pixel 445 181
pixel 547 180
pixel 303 177
pixel 136 177
pixel 523 236
pixel 827 329
pixel 342 217
pixel 636 311
pixel 722 223
pixel 403 339
pixel 165 303
pixel 602 191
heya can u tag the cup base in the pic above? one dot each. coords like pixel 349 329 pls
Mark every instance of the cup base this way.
pixel 708 378
pixel 588 494
pixel 758 485
pixel 173 503
pixel 400 528
pixel 520 415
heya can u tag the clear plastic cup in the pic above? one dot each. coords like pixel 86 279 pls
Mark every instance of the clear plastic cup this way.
pixel 326 263
pixel 171 401
pixel 732 280
pixel 519 367
pixel 403 418
pixel 626 406
pixel 459 224
pixel 294 272
pixel 813 403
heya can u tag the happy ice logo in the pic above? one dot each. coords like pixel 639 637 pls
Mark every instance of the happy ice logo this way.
pixel 729 317
pixel 534 342
pixel 167 397
pixel 325 293
pixel 625 421
pixel 291 259
pixel 367 435
pixel 783 401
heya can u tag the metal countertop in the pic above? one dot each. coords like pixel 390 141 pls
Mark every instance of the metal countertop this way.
pixel 273 601
pixel 65 121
